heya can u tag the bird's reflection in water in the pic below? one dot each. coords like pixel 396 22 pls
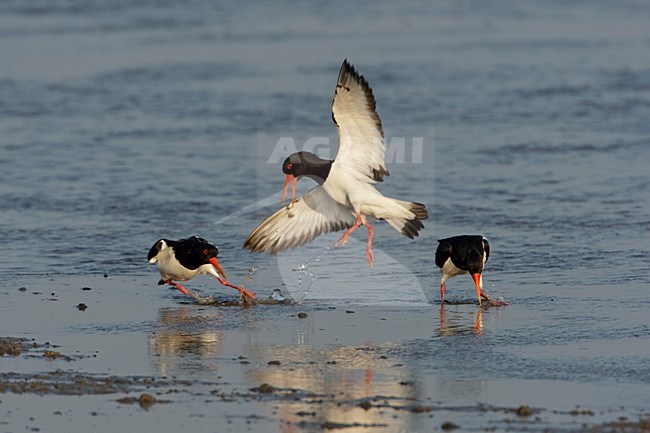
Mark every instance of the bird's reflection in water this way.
pixel 341 379
pixel 331 381
pixel 185 335
pixel 456 321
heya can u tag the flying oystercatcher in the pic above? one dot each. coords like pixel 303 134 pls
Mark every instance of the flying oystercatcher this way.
pixel 346 196
pixel 465 254
pixel 184 259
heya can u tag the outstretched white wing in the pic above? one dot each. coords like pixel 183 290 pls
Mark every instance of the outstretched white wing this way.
pixel 361 140
pixel 311 215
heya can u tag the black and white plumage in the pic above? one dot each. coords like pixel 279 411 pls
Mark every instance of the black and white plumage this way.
pixel 346 196
pixel 465 254
pixel 184 259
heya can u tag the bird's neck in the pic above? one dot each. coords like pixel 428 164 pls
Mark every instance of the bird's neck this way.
pixel 319 170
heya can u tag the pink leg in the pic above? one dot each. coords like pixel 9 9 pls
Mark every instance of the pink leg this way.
pixel 179 287
pixel 344 239
pixel 492 302
pixel 357 223
pixel 247 294
pixel 442 293
pixel 369 255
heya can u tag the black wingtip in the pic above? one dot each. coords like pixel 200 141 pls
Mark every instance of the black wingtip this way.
pixel 412 228
pixel 419 210
pixel 378 175
pixel 346 70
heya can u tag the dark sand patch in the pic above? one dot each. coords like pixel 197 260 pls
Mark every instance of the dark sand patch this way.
pixel 13 346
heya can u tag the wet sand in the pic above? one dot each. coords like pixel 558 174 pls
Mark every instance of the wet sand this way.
pixel 142 357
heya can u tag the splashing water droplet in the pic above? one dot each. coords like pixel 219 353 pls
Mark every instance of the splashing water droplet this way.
pixel 306 280
pixel 250 273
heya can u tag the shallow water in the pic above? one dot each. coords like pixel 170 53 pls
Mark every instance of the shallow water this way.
pixel 121 124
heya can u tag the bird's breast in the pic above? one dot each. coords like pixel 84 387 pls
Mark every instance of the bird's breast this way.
pixel 170 268
pixel 349 191
pixel 338 191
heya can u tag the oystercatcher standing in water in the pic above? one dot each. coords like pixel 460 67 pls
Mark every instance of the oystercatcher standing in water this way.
pixel 466 254
pixel 184 259
pixel 346 196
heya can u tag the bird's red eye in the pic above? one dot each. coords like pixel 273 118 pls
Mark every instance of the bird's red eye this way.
pixel 289 166
pixel 205 251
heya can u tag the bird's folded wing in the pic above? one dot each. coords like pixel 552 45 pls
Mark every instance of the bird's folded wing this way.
pixel 311 215
pixel 442 253
pixel 361 139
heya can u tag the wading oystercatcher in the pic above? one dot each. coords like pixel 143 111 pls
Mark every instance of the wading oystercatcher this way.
pixel 184 259
pixel 465 254
pixel 346 196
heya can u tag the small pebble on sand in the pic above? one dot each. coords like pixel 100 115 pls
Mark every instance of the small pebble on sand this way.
pixel 448 426
pixel 264 388
pixel 524 410
pixel 146 400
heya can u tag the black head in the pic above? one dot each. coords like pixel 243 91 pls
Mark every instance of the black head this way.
pixel 474 261
pixel 477 248
pixel 194 252
pixel 191 252
pixel 196 249
pixel 307 164
pixel 466 252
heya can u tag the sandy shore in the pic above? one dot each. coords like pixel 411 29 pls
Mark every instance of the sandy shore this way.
pixel 142 357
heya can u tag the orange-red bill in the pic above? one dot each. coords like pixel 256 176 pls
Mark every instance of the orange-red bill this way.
pixel 293 190
pixel 479 289
pixel 480 294
pixel 216 264
pixel 286 186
